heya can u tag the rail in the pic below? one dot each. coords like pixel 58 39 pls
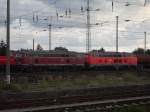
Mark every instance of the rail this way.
pixel 77 98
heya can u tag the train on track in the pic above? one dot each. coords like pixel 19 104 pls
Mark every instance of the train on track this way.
pixel 58 60
pixel 27 62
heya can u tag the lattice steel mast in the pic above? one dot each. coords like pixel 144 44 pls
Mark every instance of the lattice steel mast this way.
pixel 88 35
pixel 8 44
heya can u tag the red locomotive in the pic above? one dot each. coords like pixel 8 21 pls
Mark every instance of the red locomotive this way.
pixel 62 59
pixel 143 60
pixel 112 59
pixel 3 54
pixel 29 62
pixel 59 61
pixel 3 60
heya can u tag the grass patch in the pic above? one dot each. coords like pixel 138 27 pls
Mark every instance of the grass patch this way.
pixel 11 88
pixel 77 82
pixel 128 77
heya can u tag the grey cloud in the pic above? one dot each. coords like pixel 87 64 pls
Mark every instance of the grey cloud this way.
pixel 77 22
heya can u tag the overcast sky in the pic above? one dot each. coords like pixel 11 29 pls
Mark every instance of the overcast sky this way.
pixel 70 31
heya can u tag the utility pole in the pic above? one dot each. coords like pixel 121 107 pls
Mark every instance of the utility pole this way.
pixel 8 44
pixel 117 33
pixel 88 36
pixel 50 35
pixel 112 5
pixel 145 2
pixel 33 44
pixel 145 34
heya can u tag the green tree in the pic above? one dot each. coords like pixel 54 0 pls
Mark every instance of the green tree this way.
pixel 39 47
pixel 2 48
pixel 61 49
pixel 102 50
pixel 139 51
pixel 148 51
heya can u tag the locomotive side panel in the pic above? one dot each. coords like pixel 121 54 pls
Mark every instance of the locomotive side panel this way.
pixel 129 60
pixel 56 60
pixel 112 60
pixel 93 60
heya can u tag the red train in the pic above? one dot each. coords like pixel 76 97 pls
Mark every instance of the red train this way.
pixel 112 59
pixel 28 63
pixel 144 60
pixel 36 60
pixel 3 60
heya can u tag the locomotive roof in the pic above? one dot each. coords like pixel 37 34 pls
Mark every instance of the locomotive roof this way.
pixel 111 54
pixel 48 53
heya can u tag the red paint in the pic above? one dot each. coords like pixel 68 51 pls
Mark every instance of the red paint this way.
pixel 52 60
pixel 3 60
pixel 95 60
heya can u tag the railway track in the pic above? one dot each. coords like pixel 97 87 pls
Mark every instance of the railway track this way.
pixel 95 106
pixel 73 69
pixel 72 72
pixel 77 99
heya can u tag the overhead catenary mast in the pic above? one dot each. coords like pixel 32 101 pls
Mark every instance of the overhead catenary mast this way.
pixel 33 44
pixel 88 35
pixel 50 36
pixel 145 34
pixel 8 44
pixel 117 17
pixel 145 2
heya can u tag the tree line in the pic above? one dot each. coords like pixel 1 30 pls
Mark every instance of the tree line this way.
pixel 40 48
